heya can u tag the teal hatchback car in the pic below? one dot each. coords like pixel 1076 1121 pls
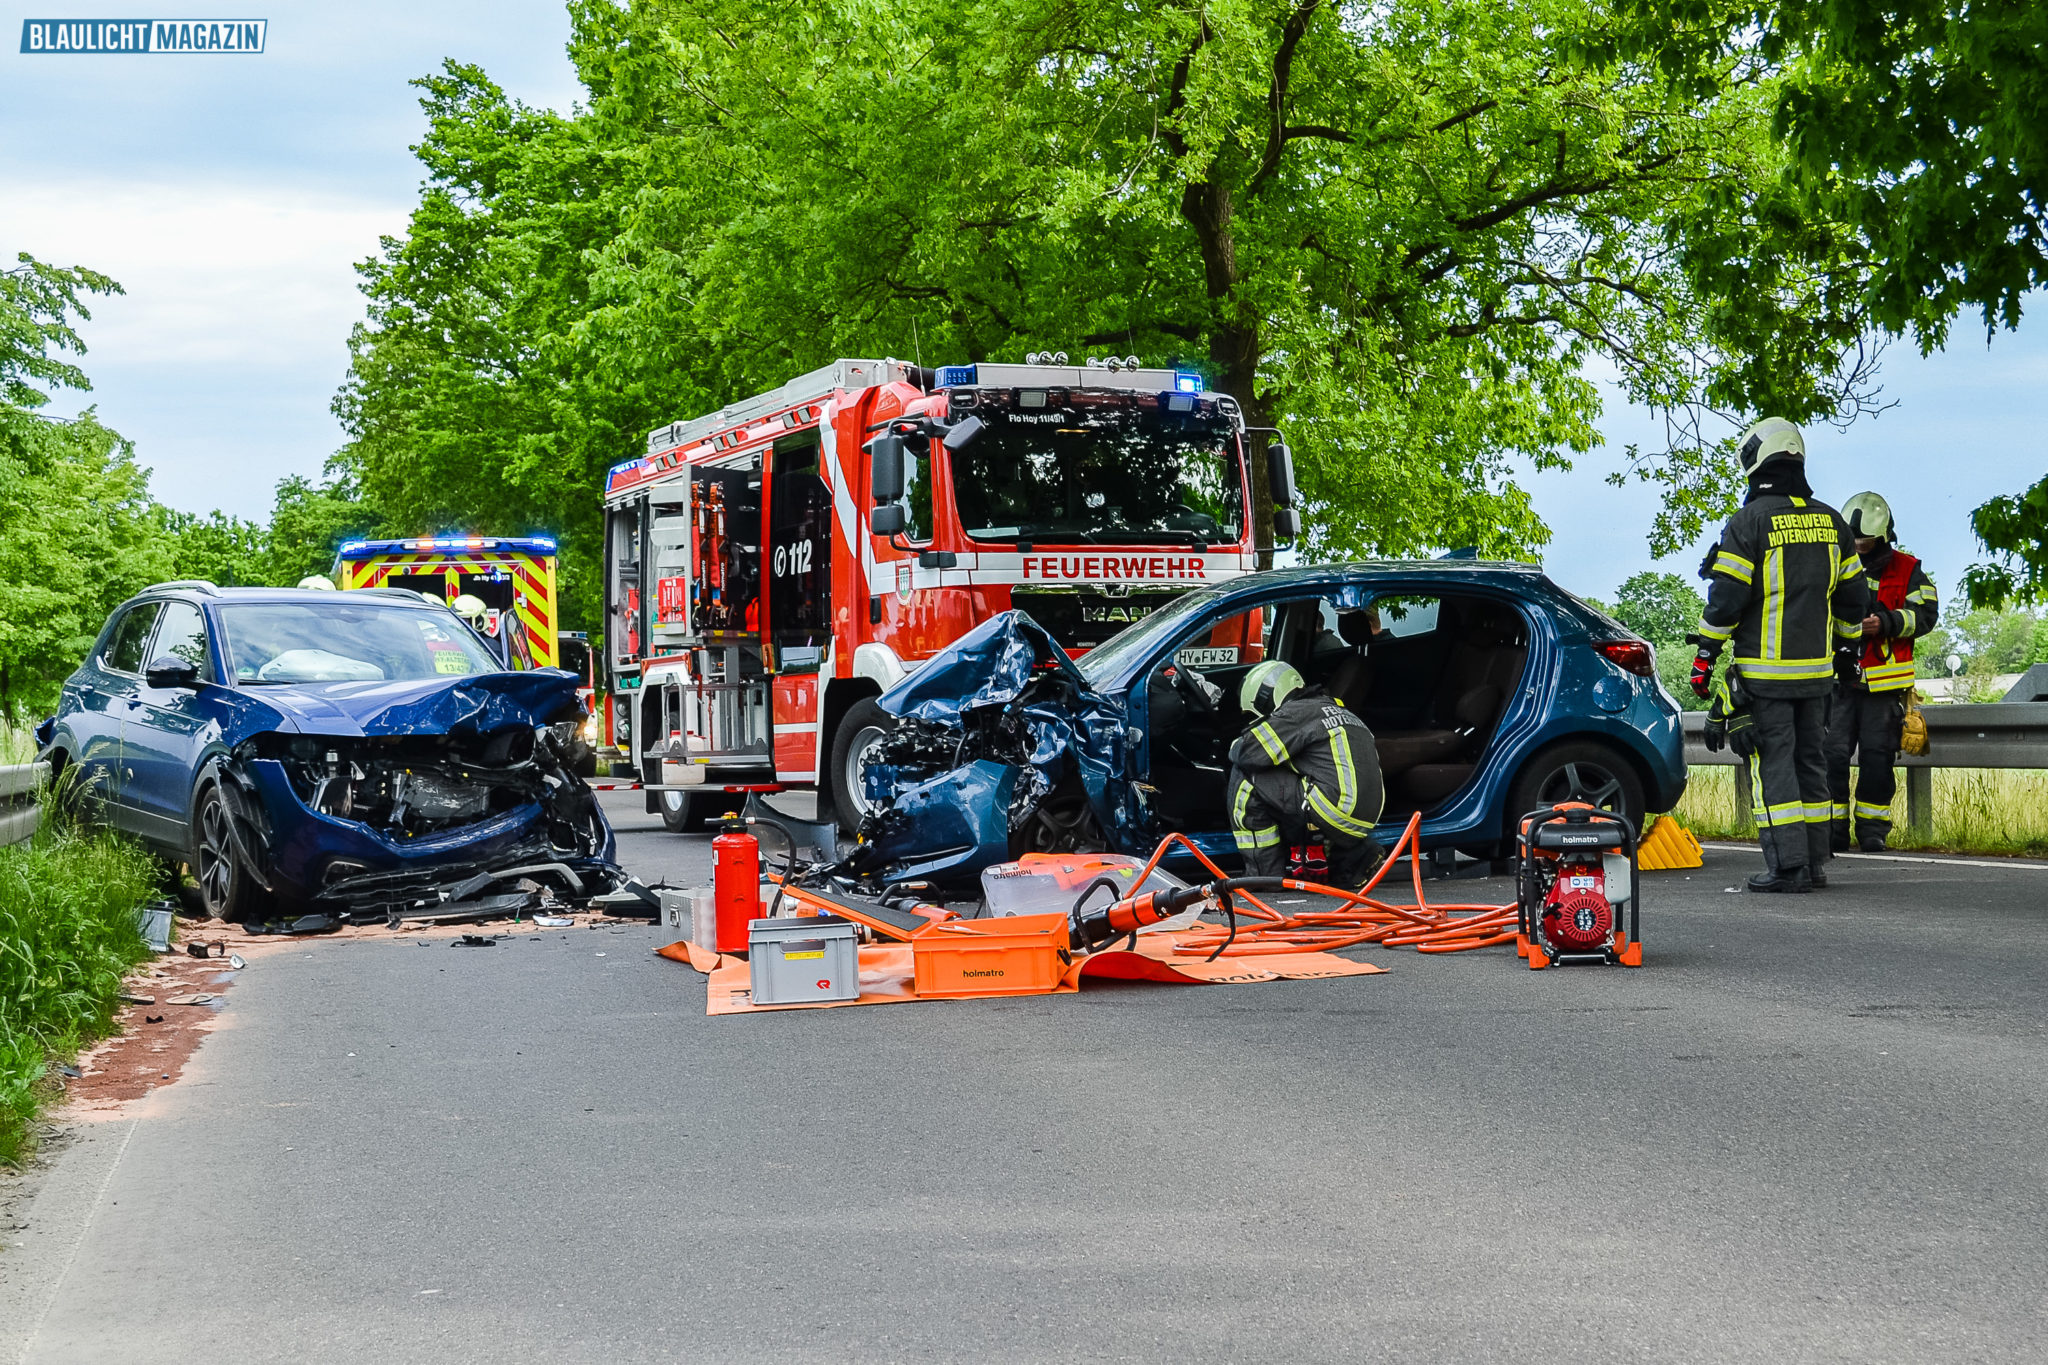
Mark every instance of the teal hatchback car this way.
pixel 1490 691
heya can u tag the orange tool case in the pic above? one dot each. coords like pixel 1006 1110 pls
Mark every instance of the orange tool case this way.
pixel 1015 955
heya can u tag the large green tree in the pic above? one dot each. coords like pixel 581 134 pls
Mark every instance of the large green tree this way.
pixel 1921 125
pixel 1409 234
pixel 78 530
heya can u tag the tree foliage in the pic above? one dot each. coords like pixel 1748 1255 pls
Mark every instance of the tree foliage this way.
pixel 1409 234
pixel 1921 125
pixel 1661 607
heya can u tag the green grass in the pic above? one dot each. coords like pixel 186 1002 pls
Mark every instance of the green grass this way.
pixel 67 936
pixel 1976 810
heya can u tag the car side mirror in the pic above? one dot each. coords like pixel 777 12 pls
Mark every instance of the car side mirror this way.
pixel 887 521
pixel 885 456
pixel 168 670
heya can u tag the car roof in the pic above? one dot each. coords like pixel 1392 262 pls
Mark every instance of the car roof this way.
pixel 218 595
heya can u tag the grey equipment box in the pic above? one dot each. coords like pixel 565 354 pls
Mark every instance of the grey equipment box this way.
pixel 803 959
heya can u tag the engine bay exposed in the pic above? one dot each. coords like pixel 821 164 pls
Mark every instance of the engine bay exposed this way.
pixel 409 786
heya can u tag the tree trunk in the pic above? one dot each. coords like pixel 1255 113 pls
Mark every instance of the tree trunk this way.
pixel 1234 344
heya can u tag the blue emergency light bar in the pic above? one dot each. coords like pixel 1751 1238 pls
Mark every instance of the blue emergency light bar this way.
pixel 525 545
pixel 1183 382
pixel 954 377
pixel 611 476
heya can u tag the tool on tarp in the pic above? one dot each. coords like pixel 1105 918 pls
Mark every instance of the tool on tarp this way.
pixel 1575 867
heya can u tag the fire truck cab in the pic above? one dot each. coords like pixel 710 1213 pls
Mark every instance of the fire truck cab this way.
pixel 772 567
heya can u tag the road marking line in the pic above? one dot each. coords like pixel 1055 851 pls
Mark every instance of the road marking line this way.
pixel 85 1228
pixel 1905 858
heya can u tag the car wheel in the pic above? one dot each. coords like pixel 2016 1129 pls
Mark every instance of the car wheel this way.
pixel 864 726
pixel 226 890
pixel 1579 770
pixel 684 812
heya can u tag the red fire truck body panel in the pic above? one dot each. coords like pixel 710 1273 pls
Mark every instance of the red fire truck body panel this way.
pixel 751 606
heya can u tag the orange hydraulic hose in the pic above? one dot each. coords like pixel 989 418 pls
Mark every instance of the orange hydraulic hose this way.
pixel 1360 917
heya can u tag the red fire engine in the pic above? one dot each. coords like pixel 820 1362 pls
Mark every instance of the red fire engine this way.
pixel 772 567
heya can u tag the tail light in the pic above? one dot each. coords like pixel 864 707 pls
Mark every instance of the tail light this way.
pixel 1633 655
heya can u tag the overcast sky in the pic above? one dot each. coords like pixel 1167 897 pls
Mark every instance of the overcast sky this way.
pixel 232 195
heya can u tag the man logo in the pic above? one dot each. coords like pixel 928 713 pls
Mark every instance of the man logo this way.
pixel 125 37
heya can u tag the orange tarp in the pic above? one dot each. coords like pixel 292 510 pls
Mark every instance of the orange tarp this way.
pixel 888 971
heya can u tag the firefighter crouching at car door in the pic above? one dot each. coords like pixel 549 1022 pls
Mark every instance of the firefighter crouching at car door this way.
pixel 1870 702
pixel 1305 771
pixel 1785 587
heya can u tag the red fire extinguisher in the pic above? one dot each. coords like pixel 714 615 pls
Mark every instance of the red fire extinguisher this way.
pixel 736 884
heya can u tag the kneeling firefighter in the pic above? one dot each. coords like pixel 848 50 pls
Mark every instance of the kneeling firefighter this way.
pixel 1785 587
pixel 1306 769
pixel 1870 702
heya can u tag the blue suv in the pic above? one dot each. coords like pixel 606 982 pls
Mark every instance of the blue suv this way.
pixel 292 746
pixel 1489 690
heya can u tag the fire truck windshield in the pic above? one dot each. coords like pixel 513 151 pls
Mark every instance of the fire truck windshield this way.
pixel 1098 468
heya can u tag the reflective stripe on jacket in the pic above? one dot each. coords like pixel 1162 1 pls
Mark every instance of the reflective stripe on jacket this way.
pixel 1784 590
pixel 1907 606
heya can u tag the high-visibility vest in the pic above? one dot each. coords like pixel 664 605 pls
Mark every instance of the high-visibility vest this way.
pixel 1888 663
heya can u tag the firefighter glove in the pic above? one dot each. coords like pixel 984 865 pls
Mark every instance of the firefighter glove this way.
pixel 1742 734
pixel 1716 733
pixel 1702 673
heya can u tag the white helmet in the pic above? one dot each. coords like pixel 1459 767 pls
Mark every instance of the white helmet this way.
pixel 317 580
pixel 1868 515
pixel 469 607
pixel 1774 438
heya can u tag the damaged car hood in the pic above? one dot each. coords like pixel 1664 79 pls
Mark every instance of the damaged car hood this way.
pixel 470 704
pixel 988 666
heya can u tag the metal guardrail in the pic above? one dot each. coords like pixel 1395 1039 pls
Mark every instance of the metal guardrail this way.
pixel 20 785
pixel 1963 735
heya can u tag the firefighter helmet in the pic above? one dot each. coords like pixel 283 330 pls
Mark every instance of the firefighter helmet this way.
pixel 1869 515
pixel 319 581
pixel 469 607
pixel 1774 438
pixel 1267 686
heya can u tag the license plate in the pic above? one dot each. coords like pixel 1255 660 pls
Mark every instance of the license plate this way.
pixel 1211 656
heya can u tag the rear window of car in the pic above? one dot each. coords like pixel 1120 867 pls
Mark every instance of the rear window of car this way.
pixel 336 640
pixel 123 653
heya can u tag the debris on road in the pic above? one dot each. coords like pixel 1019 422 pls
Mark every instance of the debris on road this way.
pixel 196 998
pixel 554 922
pixel 474 941
pixel 130 998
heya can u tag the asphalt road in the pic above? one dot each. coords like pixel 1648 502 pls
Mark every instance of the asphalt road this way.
pixel 1811 1129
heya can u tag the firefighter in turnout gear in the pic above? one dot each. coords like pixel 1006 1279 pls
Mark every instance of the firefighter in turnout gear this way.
pixel 1870 702
pixel 1785 589
pixel 1306 770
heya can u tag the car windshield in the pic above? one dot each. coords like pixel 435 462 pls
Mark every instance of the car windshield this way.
pixel 1078 468
pixel 338 640
pixel 1134 643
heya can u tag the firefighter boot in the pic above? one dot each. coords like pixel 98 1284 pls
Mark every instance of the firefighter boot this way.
pixel 1838 835
pixel 1872 835
pixel 1266 862
pixel 1818 853
pixel 1352 865
pixel 1776 877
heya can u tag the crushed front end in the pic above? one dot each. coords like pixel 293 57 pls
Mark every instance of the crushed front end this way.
pixel 368 823
pixel 1000 749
